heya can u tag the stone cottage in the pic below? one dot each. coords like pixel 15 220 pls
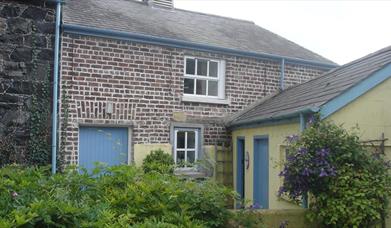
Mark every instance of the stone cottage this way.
pixel 142 75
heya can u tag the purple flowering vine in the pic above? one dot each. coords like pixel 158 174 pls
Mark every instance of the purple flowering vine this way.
pixel 303 169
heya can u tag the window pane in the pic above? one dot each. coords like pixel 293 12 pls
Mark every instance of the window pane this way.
pixel 190 66
pixel 191 139
pixel 188 86
pixel 191 156
pixel 180 156
pixel 201 87
pixel 202 67
pixel 180 140
pixel 213 69
pixel 212 88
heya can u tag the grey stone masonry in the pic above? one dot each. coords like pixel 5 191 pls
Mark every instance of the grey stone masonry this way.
pixel 21 22
pixel 145 85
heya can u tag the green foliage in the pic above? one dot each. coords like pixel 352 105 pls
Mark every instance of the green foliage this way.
pixel 247 217
pixel 120 196
pixel 7 150
pixel 64 127
pixel 349 185
pixel 39 145
pixel 158 161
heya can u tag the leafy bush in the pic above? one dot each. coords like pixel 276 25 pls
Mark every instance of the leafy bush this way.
pixel 158 161
pixel 350 186
pixel 119 196
pixel 246 218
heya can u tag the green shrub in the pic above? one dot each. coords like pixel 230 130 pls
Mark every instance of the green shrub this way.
pixel 349 185
pixel 158 161
pixel 247 217
pixel 119 196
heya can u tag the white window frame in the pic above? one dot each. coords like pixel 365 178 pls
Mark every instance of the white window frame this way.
pixel 196 135
pixel 220 81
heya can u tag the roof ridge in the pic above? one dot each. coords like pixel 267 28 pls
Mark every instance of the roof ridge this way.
pixel 215 15
pixel 359 60
pixel 190 11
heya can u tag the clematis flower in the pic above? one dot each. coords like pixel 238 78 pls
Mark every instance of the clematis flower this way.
pixel 323 152
pixel 256 206
pixel 323 173
pixel 283 172
pixel 290 158
pixel 281 191
pixel 302 151
pixel 306 172
pixel 311 120
pixel 332 171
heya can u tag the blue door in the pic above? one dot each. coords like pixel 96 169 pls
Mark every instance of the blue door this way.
pixel 102 144
pixel 261 172
pixel 240 168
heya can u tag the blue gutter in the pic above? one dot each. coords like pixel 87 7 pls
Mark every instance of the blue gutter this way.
pixel 254 121
pixel 55 86
pixel 120 35
pixel 282 75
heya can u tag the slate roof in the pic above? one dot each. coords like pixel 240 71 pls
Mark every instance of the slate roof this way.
pixel 314 93
pixel 137 17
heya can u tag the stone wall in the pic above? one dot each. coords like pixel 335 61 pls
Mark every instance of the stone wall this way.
pixel 145 85
pixel 21 22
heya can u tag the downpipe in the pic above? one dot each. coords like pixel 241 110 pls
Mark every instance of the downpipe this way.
pixel 55 85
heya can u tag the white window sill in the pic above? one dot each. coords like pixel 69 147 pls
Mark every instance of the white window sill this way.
pixel 208 100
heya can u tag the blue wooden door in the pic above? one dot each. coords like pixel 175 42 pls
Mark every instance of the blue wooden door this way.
pixel 261 172
pixel 240 168
pixel 102 144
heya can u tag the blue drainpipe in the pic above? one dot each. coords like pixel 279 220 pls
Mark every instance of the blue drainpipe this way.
pixel 282 74
pixel 55 86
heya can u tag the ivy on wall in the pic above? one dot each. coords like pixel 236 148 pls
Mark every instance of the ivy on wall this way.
pixel 39 141
pixel 64 125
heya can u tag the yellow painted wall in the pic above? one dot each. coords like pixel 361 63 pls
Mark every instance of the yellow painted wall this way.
pixel 277 135
pixel 142 150
pixel 371 112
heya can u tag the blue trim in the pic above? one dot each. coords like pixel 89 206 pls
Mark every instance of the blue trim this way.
pixel 356 91
pixel 55 86
pixel 302 122
pixel 240 168
pixel 266 123
pixel 261 171
pixel 112 34
pixel 261 136
pixel 273 120
pixel 282 75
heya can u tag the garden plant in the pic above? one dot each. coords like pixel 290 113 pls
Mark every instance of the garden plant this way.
pixel 348 186
pixel 119 196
